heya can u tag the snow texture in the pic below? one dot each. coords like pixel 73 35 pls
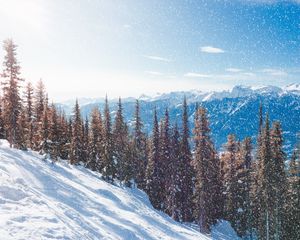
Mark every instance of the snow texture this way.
pixel 41 200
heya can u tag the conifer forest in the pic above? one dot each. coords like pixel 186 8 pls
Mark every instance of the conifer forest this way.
pixel 251 183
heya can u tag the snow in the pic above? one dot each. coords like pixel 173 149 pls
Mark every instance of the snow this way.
pixel 41 200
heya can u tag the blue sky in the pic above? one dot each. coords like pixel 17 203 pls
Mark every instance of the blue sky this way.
pixel 129 47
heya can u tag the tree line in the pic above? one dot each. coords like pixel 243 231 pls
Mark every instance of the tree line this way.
pixel 180 169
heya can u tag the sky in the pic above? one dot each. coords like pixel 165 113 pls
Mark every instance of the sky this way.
pixel 89 48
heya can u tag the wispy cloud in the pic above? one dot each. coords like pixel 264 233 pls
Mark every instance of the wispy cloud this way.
pixel 210 49
pixel 234 70
pixel 154 73
pixel 274 72
pixel 197 75
pixel 157 58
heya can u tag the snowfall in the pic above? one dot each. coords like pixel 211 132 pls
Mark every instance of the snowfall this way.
pixel 42 200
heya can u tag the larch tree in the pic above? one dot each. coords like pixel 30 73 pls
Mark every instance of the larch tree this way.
pixel 76 142
pixel 203 157
pixel 29 114
pixel 11 94
pixel 122 148
pixel 186 171
pixel 164 161
pixel 153 180
pixel 292 212
pixel 139 149
pixel 109 165
pixel 278 182
pixel 95 162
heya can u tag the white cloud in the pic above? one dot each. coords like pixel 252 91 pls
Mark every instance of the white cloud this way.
pixel 157 58
pixel 210 49
pixel 234 70
pixel 197 75
pixel 274 72
pixel 154 73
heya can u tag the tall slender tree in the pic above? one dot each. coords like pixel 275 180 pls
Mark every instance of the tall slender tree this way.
pixel 153 180
pixel 109 165
pixel 96 142
pixel 11 94
pixel 186 170
pixel 76 142
pixel 139 149
pixel 203 158
pixel 29 114
pixel 122 148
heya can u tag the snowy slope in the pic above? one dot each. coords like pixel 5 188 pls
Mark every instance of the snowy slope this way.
pixel 41 200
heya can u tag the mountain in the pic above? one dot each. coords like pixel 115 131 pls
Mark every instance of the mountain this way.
pixel 231 111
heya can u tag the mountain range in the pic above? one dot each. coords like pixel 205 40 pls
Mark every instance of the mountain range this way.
pixel 232 111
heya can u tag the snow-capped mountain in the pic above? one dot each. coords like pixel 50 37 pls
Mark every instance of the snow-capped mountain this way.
pixel 42 200
pixel 231 111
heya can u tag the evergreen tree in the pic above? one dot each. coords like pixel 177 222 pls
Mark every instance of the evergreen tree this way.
pixel 203 158
pixel 265 192
pixel 185 171
pixel 122 150
pixel 109 165
pixel 278 182
pixel 244 181
pixel 230 179
pixel 44 147
pixel 20 135
pixel 54 134
pixel 29 115
pixel 164 161
pixel 139 149
pixel 153 180
pixel 96 141
pixel 11 96
pixel 292 216
pixel 174 192
pixel 39 110
pixel 76 142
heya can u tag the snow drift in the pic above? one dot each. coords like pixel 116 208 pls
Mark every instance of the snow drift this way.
pixel 41 200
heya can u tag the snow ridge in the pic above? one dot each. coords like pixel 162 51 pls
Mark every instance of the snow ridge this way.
pixel 41 200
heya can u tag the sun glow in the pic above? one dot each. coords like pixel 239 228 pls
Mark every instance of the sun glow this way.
pixel 29 13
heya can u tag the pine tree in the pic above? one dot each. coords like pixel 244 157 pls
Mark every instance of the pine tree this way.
pixel 255 170
pixel 11 95
pixel 122 150
pixel 109 165
pixel 44 147
pixel 64 136
pixel 164 161
pixel 278 181
pixel 203 162
pixel 76 142
pixel 54 134
pixel 292 215
pixel 39 105
pixel 265 192
pixel 186 170
pixel 174 191
pixel 230 179
pixel 244 181
pixel 29 115
pixel 20 135
pixel 96 142
pixel 139 149
pixel 153 180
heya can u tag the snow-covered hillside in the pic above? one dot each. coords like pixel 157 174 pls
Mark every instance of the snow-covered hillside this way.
pixel 41 200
